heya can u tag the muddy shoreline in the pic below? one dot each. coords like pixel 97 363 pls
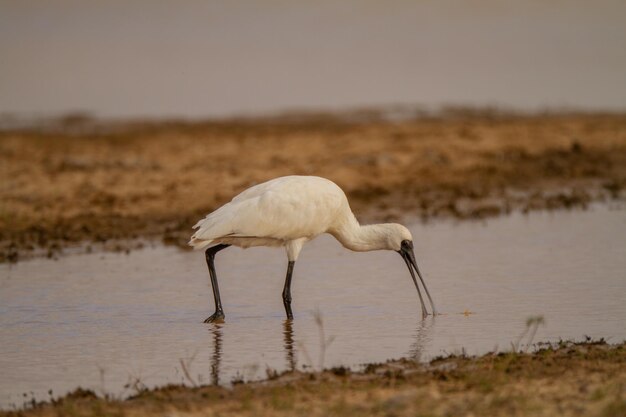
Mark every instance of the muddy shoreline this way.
pixel 565 378
pixel 84 184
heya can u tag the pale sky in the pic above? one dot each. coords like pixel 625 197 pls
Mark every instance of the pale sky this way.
pixel 215 58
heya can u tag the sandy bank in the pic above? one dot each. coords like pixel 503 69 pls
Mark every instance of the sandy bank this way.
pixel 566 379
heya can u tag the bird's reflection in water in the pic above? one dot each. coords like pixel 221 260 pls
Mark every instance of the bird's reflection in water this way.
pixel 423 335
pixel 288 343
pixel 216 358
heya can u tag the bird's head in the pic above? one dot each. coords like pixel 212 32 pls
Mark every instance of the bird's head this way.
pixel 396 234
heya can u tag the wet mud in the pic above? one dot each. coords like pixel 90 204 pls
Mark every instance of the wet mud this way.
pixel 82 184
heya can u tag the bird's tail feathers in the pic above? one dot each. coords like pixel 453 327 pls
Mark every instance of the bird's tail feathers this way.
pixel 208 229
pixel 214 226
pixel 198 244
pixel 199 223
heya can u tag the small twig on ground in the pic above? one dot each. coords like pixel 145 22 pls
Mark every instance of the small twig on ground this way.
pixel 532 324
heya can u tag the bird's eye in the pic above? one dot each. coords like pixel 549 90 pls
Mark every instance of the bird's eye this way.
pixel 407 244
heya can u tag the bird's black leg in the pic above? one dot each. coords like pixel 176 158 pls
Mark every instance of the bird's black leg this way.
pixel 218 316
pixel 287 290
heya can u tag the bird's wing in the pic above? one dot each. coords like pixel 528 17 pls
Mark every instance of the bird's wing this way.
pixel 283 210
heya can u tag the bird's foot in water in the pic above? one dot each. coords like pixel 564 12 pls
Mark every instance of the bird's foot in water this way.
pixel 288 312
pixel 217 317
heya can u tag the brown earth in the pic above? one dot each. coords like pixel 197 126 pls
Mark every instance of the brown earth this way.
pixel 587 379
pixel 84 183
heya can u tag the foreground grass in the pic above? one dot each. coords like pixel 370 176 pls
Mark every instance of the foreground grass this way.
pixel 587 379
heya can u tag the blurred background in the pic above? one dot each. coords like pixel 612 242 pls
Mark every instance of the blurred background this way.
pixel 212 58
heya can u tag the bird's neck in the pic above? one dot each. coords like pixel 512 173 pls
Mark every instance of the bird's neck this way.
pixel 360 238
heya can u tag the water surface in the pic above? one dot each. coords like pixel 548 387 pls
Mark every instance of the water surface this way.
pixel 103 321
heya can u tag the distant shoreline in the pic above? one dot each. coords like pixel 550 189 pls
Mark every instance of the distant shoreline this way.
pixel 66 122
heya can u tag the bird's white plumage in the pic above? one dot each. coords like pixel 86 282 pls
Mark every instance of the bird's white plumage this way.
pixel 274 213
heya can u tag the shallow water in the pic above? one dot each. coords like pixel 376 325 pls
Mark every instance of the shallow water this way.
pixel 102 321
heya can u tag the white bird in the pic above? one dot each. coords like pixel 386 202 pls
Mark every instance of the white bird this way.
pixel 290 211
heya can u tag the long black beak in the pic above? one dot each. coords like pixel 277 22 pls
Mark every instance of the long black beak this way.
pixel 409 258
